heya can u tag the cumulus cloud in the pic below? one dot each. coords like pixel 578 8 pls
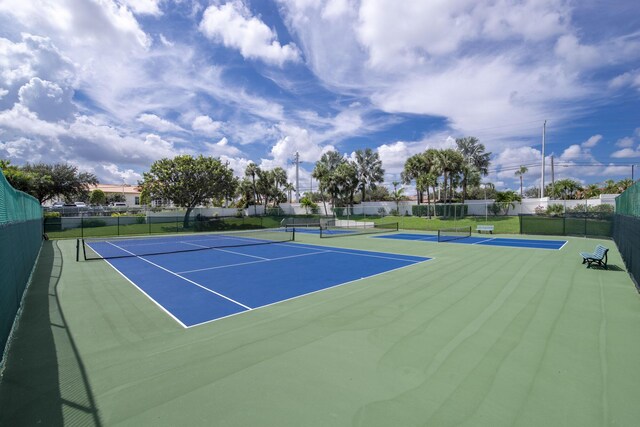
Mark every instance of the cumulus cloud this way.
pixel 158 123
pixel 233 24
pixel 48 100
pixel 222 147
pixel 206 125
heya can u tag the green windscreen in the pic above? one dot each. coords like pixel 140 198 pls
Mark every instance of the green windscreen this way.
pixel 20 241
pixel 626 229
pixel 628 203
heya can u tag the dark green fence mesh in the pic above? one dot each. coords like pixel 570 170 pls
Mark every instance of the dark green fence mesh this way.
pixel 20 241
pixel 586 224
pixel 628 203
pixel 626 229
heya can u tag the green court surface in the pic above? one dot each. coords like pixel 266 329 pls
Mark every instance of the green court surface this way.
pixel 478 336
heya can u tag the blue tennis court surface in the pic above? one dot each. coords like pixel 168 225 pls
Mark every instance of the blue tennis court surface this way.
pixel 483 241
pixel 198 287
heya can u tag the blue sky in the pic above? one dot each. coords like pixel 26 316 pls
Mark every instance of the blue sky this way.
pixel 113 85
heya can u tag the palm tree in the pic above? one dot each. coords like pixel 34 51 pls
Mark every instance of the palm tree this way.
pixel 289 188
pixel 520 172
pixel 567 188
pixel 369 168
pixel 415 167
pixel 449 162
pixel 623 184
pixel 507 199
pixel 326 168
pixel 251 171
pixel 610 187
pixel 397 195
pixel 591 190
pixel 346 177
pixel 476 160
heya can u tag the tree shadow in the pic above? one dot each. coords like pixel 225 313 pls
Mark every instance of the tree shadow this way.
pixel 44 380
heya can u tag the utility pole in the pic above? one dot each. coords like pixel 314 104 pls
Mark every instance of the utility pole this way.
pixel 632 166
pixel 544 130
pixel 553 177
pixel 296 159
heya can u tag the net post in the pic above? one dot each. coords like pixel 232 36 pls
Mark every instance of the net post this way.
pixel 77 250
pixel 84 250
pixel 293 234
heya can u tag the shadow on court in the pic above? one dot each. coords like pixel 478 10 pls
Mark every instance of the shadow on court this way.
pixel 31 390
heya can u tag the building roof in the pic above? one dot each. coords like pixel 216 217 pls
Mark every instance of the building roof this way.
pixel 116 188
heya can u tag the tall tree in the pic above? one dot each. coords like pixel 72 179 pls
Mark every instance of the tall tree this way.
pixel 324 172
pixel 369 168
pixel 397 195
pixel 414 168
pixel 46 182
pixel 520 172
pixel 449 162
pixel 475 160
pixel 188 181
pixel 289 188
pixel 346 176
pixel 251 171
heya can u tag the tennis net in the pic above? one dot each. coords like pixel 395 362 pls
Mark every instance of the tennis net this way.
pixel 124 247
pixel 454 233
pixel 342 228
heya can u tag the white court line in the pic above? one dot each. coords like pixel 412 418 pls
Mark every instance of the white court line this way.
pixel 313 292
pixel 250 262
pixel 367 255
pixel 226 250
pixel 485 240
pixel 185 279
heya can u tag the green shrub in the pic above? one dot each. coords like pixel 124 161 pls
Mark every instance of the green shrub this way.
pixel 91 223
pixel 555 209
pixel 494 209
pixel 52 215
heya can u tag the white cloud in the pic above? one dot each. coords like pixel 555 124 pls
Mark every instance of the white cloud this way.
pixel 222 147
pixel 144 7
pixel 626 153
pixel 592 141
pixel 48 100
pixel 625 142
pixel 233 25
pixel 20 119
pixel 628 79
pixel 158 123
pixel 206 125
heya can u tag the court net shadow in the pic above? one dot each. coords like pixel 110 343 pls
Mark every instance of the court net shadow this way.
pixel 44 380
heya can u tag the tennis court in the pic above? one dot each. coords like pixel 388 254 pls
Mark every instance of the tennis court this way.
pixel 248 270
pixel 480 240
pixel 473 337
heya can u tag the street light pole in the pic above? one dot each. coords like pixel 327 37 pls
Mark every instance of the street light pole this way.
pixel 485 202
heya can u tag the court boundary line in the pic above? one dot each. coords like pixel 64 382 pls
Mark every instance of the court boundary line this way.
pixel 491 239
pixel 147 295
pixel 187 280
pixel 218 267
pixel 341 250
pixel 408 261
pixel 411 263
